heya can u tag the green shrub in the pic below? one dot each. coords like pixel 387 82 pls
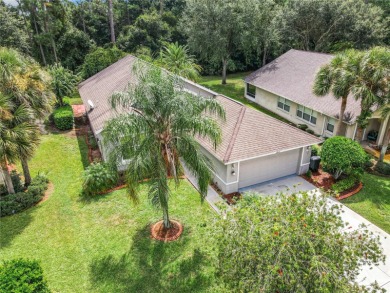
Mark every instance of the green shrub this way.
pixel 20 275
pixel 14 203
pixel 63 117
pixel 383 168
pixel 345 184
pixel 341 155
pixel 315 150
pixel 17 181
pixel 309 131
pixel 308 173
pixel 302 126
pixel 99 177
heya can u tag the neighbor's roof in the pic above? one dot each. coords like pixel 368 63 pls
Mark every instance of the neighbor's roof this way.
pixel 292 76
pixel 101 86
pixel 248 133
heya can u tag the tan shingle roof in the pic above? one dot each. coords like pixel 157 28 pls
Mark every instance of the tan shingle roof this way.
pixel 292 76
pixel 248 133
pixel 101 86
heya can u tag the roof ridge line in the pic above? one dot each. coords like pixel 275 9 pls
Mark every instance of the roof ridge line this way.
pixel 234 135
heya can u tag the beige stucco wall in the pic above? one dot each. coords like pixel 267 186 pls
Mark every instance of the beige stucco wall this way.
pixel 269 101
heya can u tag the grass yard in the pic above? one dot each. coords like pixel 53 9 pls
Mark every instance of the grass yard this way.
pixel 103 244
pixel 373 202
pixel 234 89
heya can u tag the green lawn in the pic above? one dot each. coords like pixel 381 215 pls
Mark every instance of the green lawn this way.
pixel 373 202
pixel 235 89
pixel 103 244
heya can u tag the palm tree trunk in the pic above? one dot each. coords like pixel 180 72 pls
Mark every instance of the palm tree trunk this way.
pixel 37 33
pixel 385 145
pixel 7 178
pixel 111 19
pixel 341 116
pixel 161 7
pixel 224 68
pixel 167 222
pixel 46 27
pixel 264 56
pixel 26 172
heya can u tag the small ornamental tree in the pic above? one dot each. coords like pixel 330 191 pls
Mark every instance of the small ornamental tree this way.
pixel 341 155
pixel 291 243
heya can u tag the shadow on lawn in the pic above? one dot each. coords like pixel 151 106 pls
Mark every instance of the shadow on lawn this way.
pixel 12 226
pixel 152 266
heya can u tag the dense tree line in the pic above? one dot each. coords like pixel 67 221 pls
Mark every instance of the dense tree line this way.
pixel 222 35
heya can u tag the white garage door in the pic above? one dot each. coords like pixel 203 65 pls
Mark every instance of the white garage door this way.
pixel 268 168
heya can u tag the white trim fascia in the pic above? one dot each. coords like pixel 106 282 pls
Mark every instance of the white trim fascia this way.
pixel 269 154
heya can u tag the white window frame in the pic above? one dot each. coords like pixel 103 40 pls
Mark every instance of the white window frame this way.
pixel 283 103
pixel 307 111
pixel 332 122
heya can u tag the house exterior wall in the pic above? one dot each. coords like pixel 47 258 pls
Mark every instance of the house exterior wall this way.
pixel 269 101
pixel 223 177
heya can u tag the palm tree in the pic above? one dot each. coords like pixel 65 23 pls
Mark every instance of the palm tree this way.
pixel 337 78
pixel 159 126
pixel 371 85
pixel 25 83
pixel 63 82
pixel 177 59
pixel 18 136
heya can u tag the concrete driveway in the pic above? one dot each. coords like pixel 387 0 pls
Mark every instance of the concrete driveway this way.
pixel 288 184
pixel 294 183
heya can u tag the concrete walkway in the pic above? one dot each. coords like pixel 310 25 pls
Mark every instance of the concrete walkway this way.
pixel 290 184
pixel 212 197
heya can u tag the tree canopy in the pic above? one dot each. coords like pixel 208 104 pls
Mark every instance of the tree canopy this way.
pixel 291 243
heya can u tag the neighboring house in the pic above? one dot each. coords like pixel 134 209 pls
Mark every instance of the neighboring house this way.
pixel 285 86
pixel 255 147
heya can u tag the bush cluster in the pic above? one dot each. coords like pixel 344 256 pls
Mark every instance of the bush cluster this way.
pixel 315 150
pixel 20 275
pixel 63 117
pixel 345 184
pixel 341 155
pixel 99 177
pixel 383 168
pixel 14 203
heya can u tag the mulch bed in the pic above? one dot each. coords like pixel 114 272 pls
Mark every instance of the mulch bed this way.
pixel 320 179
pixel 49 191
pixel 232 198
pixel 159 232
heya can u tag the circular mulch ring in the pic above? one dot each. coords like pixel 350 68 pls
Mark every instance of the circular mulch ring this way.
pixel 158 231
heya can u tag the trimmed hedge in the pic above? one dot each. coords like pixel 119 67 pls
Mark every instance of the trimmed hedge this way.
pixel 345 184
pixel 21 275
pixel 14 203
pixel 63 117
pixel 383 168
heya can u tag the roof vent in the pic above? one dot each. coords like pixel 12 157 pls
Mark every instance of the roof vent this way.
pixel 91 105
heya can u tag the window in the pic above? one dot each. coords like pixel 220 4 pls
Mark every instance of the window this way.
pixel 250 90
pixel 284 104
pixel 330 125
pixel 307 114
